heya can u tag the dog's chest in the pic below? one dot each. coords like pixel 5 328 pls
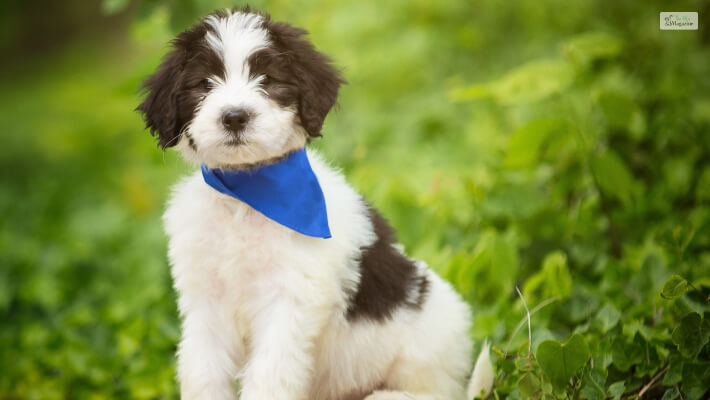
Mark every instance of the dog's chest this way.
pixel 224 248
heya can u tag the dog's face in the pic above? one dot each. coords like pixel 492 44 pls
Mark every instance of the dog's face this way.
pixel 239 89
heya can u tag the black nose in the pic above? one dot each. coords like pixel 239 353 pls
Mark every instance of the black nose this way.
pixel 235 120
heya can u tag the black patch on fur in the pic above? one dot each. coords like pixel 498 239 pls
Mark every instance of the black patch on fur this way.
pixel 386 277
pixel 297 74
pixel 191 142
pixel 179 84
pixel 278 82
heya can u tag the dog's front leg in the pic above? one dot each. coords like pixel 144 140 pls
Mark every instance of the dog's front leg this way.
pixel 281 361
pixel 207 354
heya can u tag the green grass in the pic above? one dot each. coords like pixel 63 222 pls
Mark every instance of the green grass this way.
pixel 559 147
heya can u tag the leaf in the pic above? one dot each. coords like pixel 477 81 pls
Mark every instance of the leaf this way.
pixel 675 370
pixel 494 261
pixel 691 335
pixel 696 380
pixel 624 354
pixel 608 316
pixel 560 362
pixel 528 83
pixel 527 142
pixel 618 109
pixel 634 327
pixel 513 201
pixel 602 352
pixel 592 46
pixel 533 82
pixel 671 394
pixel 613 176
pixel 674 287
pixel 528 385
pixel 616 390
pixel 554 278
pixel 594 381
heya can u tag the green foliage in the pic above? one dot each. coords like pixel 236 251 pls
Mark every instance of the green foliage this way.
pixel 612 176
pixel 560 362
pixel 674 288
pixel 553 280
pixel 691 335
pixel 559 147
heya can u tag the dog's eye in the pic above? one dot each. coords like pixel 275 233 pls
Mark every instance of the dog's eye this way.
pixel 266 80
pixel 206 84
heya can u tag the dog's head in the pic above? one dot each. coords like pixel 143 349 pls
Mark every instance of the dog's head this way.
pixel 239 89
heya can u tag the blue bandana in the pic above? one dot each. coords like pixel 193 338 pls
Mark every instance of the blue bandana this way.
pixel 286 192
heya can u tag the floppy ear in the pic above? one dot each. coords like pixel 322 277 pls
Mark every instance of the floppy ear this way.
pixel 160 107
pixel 317 80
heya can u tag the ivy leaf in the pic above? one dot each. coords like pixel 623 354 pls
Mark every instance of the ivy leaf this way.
pixel 528 385
pixel 613 176
pixel 675 370
pixel 674 287
pixel 625 354
pixel 602 352
pixel 513 201
pixel 696 380
pixel 527 142
pixel 616 390
pixel 608 316
pixel 619 111
pixel 533 81
pixel 495 261
pixel 553 279
pixel 691 335
pixel 560 361
pixel 528 83
pixel 594 381
pixel 671 394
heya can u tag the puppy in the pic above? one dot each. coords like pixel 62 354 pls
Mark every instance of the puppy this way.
pixel 289 283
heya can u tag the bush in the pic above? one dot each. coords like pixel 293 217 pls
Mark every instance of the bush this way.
pixel 550 159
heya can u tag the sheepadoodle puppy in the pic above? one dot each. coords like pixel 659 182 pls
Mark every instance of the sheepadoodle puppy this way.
pixel 291 286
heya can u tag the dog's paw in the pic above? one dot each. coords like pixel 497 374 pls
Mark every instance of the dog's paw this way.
pixel 383 395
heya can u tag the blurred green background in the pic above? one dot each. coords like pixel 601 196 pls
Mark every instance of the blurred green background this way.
pixel 559 146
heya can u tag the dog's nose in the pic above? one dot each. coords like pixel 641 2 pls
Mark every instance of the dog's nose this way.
pixel 235 120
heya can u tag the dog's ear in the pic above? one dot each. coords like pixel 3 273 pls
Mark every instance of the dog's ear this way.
pixel 317 80
pixel 160 107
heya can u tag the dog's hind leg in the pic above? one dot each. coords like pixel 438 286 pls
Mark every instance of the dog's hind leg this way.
pixel 433 361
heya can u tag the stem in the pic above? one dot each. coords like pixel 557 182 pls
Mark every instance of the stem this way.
pixel 698 290
pixel 532 312
pixel 528 315
pixel 653 380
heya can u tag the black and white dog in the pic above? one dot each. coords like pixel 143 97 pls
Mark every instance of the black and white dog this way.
pixel 289 315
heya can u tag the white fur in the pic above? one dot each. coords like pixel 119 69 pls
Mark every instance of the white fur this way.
pixel 266 306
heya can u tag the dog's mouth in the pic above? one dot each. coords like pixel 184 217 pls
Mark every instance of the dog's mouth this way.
pixel 234 142
pixel 231 139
